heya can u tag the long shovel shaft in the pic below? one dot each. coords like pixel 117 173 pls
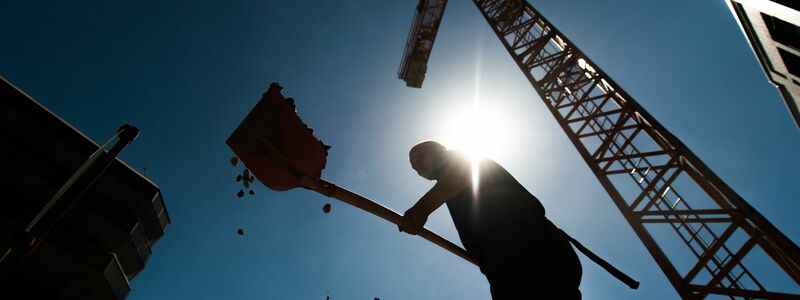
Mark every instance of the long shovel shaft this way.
pixel 331 190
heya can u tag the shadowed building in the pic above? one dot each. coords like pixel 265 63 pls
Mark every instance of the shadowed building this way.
pixel 103 240
pixel 773 30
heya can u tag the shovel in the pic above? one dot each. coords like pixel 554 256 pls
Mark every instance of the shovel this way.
pixel 282 153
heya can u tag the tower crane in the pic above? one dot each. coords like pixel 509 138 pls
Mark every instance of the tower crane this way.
pixel 650 175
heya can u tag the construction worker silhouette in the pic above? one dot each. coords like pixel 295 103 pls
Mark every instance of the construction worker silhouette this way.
pixel 500 223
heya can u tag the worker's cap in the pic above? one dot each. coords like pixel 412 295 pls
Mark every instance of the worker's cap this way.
pixel 425 147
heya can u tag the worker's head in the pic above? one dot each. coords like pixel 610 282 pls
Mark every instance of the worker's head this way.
pixel 422 155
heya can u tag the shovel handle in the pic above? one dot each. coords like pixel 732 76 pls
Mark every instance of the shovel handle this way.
pixel 331 190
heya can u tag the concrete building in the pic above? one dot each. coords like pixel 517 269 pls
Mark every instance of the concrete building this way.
pixel 103 241
pixel 773 30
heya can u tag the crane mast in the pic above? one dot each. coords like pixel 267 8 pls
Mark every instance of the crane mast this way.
pixel 655 181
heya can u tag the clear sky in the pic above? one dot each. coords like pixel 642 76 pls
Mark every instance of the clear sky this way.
pixel 187 72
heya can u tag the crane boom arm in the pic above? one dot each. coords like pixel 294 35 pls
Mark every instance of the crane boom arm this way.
pixel 419 44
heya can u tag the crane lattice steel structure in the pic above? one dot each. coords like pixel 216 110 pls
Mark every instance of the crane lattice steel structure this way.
pixel 651 176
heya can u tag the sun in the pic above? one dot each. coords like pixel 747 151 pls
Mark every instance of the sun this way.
pixel 479 130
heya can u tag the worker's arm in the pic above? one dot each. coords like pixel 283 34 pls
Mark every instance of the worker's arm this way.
pixel 455 179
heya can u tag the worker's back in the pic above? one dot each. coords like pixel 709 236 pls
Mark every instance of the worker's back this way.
pixel 504 227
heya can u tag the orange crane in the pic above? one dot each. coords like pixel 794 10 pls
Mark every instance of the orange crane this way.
pixel 650 175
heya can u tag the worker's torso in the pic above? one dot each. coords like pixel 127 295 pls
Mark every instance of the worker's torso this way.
pixel 498 216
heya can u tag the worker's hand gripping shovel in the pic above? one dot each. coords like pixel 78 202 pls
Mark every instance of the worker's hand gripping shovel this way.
pixel 282 152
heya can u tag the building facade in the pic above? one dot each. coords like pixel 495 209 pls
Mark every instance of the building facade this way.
pixel 773 31
pixel 102 241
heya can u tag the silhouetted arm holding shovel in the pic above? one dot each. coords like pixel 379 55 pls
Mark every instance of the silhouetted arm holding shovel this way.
pixel 453 181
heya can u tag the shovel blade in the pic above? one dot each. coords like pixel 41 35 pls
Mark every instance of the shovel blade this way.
pixel 274 124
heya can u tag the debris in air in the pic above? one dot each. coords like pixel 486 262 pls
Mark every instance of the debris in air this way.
pixel 326 208
pixel 246 178
pixel 240 231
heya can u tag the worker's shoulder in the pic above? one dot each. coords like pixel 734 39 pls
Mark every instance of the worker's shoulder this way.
pixel 463 157
pixel 449 160
pixel 450 157
pixel 456 159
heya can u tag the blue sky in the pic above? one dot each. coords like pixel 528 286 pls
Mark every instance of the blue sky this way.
pixel 186 73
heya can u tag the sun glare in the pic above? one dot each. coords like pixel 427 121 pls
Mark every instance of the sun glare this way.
pixel 479 128
pixel 479 131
